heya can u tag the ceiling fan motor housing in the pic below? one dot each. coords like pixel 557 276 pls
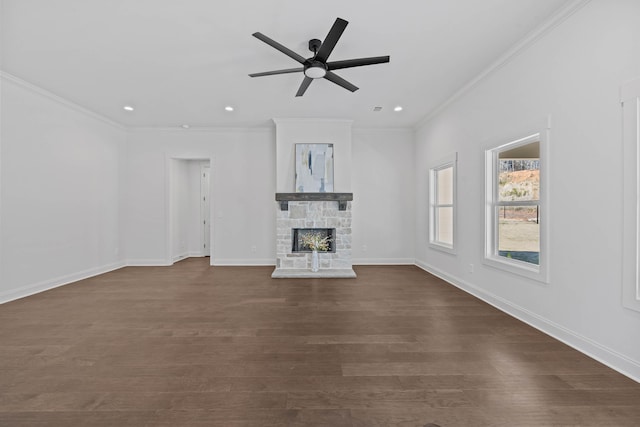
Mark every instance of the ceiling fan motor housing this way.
pixel 314 45
pixel 312 68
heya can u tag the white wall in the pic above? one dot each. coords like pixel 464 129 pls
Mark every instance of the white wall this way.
pixel 242 185
pixel 573 75
pixel 383 196
pixel 60 191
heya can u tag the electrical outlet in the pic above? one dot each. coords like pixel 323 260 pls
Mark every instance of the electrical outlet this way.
pixel 254 248
pixel 364 248
pixel 470 268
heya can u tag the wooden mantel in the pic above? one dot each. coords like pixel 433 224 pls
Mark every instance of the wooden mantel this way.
pixel 341 198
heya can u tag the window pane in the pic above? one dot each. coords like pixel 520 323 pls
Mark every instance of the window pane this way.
pixel 519 233
pixel 444 229
pixel 444 179
pixel 519 179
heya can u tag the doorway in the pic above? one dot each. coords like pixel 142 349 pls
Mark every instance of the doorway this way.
pixel 189 208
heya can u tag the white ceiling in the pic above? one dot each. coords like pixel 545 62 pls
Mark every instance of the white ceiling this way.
pixel 182 61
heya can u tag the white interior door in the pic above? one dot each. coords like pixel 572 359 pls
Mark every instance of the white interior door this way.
pixel 205 209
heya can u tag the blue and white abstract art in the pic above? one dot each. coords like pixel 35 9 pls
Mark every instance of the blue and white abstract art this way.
pixel 314 168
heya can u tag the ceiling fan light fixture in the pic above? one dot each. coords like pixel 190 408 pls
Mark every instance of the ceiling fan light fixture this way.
pixel 315 72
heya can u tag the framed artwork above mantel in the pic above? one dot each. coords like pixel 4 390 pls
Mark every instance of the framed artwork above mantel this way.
pixel 314 168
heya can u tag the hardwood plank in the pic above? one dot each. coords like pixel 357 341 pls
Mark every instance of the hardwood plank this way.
pixel 445 367
pixel 610 380
pixel 392 400
pixel 315 383
pixel 482 382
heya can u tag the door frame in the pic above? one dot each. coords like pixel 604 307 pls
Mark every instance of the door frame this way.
pixel 169 156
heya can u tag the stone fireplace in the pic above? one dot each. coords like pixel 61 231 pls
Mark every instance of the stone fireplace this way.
pixel 304 210
pixel 326 212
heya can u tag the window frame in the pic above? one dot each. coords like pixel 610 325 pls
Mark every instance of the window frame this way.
pixel 538 272
pixel 449 161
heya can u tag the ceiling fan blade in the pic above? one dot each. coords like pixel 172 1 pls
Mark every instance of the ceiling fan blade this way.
pixel 281 48
pixel 271 73
pixel 303 87
pixel 330 41
pixel 332 77
pixel 348 63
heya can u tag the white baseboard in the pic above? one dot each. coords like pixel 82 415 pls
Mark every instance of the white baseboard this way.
pixel 244 262
pixel 383 261
pixel 46 285
pixel 162 262
pixel 603 354
pixel 147 263
pixel 180 257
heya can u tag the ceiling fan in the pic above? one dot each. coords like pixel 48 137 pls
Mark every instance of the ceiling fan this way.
pixel 317 66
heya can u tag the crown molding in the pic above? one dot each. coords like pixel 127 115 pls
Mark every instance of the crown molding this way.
pixel 202 129
pixel 262 129
pixel 278 120
pixel 531 38
pixel 378 130
pixel 60 100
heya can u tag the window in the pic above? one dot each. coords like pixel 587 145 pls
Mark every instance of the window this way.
pixel 630 97
pixel 514 211
pixel 442 197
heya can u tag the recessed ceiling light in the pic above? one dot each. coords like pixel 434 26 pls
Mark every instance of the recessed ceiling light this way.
pixel 128 108
pixel 398 108
pixel 185 126
pixel 228 108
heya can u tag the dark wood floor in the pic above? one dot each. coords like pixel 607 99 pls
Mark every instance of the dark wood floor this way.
pixel 193 345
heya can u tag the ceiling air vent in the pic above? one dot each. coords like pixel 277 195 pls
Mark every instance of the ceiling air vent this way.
pixel 377 108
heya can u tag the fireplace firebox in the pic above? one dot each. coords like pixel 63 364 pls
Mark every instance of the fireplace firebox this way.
pixel 298 233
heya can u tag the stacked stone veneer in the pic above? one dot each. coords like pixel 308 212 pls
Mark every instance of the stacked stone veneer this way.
pixel 314 214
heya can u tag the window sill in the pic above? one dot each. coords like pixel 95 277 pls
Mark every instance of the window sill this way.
pixel 520 268
pixel 443 248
